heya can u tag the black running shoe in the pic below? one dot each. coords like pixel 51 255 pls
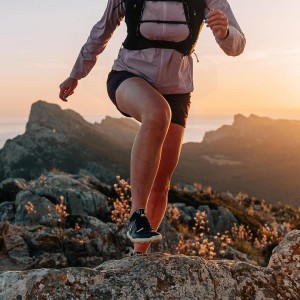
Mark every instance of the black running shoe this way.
pixel 140 230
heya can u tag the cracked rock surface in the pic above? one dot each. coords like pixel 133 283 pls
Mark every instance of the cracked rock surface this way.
pixel 162 276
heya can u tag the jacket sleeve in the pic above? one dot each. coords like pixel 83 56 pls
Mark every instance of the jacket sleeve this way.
pixel 99 36
pixel 235 43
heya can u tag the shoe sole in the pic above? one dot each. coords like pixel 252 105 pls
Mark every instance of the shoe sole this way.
pixel 145 240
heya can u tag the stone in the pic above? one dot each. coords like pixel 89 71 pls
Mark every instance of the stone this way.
pixel 160 276
pixel 15 245
pixel 34 209
pixel 10 187
pixel 286 256
pixel 62 140
pixel 218 220
pixel 7 211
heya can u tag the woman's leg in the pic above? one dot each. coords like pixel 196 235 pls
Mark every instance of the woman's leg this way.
pixel 158 199
pixel 137 98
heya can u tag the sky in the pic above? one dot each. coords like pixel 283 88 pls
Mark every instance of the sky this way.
pixel 40 41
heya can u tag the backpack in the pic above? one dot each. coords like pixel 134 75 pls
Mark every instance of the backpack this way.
pixel 194 15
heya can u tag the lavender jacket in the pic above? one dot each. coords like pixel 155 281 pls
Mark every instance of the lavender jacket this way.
pixel 167 70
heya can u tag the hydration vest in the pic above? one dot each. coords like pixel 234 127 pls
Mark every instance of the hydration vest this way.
pixel 194 15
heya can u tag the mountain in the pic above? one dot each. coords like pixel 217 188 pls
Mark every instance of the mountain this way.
pixel 57 139
pixel 255 155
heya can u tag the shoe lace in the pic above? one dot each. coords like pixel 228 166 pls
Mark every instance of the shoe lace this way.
pixel 143 222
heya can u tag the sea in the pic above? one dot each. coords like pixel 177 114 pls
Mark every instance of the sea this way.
pixel 196 127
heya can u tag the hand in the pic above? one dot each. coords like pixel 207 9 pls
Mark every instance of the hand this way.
pixel 67 88
pixel 218 23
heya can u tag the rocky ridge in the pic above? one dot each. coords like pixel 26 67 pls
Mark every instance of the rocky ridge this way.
pixel 57 139
pixel 254 155
pixel 162 276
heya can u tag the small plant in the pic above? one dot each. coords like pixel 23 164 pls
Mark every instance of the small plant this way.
pixel 42 179
pixel 198 246
pixel 173 214
pixel 201 224
pixel 200 243
pixel 221 242
pixel 61 209
pixel 30 208
pixel 120 213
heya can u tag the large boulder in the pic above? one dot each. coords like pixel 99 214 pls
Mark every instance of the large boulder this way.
pixel 162 276
pixel 37 246
pixel 37 203
pixel 286 256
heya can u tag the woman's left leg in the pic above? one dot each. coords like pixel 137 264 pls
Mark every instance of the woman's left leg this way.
pixel 158 198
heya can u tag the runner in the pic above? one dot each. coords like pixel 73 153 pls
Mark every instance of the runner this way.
pixel 151 81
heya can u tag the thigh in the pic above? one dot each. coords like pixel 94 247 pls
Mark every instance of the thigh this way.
pixel 137 98
pixel 170 156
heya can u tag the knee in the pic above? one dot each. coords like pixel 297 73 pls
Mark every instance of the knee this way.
pixel 159 117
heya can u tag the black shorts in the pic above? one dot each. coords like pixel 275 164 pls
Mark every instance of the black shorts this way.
pixel 179 103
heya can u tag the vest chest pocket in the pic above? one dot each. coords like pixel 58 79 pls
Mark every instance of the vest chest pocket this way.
pixel 155 17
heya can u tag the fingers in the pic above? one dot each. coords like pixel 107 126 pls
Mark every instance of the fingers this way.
pixel 62 93
pixel 67 89
pixel 218 22
pixel 216 15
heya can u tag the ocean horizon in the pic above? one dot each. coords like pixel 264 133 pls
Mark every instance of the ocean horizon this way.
pixel 196 127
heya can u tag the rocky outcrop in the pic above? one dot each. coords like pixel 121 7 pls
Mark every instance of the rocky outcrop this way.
pixel 62 140
pixel 38 246
pixel 254 155
pixel 161 276
pixel 229 158
pixel 36 232
pixel 257 130
pixel 122 130
pixel 35 201
pixel 286 256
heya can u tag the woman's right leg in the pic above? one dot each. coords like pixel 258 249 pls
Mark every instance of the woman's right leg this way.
pixel 137 98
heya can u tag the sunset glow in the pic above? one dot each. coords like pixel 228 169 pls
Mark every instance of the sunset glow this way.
pixel 42 41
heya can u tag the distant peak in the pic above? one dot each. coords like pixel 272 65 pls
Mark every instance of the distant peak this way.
pixel 51 115
pixel 239 118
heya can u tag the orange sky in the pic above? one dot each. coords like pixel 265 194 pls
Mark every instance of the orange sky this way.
pixel 42 40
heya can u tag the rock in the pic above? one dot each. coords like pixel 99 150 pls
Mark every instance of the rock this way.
pixel 33 246
pixel 161 276
pixel 50 260
pixel 15 245
pixel 236 255
pixel 286 256
pixel 218 220
pixel 170 239
pixel 187 213
pixel 79 198
pixel 63 140
pixel 225 220
pixel 122 130
pixel 32 209
pixel 7 212
pixel 10 187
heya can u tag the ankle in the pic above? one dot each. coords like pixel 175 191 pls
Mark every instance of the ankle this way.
pixel 140 211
